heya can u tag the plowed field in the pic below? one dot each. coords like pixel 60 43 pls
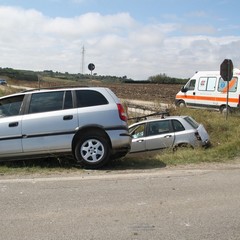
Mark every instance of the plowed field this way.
pixel 146 92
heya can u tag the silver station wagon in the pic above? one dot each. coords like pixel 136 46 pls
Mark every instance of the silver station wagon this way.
pixel 88 123
pixel 168 132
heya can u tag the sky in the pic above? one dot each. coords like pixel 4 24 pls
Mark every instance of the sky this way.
pixel 133 38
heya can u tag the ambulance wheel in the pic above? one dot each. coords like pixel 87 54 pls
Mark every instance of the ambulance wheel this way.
pixel 224 109
pixel 181 104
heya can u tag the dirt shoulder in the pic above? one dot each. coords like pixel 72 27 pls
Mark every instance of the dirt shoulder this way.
pixel 83 173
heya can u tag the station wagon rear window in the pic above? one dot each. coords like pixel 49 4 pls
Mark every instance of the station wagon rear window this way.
pixel 192 122
pixel 88 98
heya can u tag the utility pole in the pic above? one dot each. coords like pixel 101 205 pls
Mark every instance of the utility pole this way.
pixel 83 52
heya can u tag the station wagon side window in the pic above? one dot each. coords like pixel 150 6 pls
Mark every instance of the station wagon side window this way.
pixel 177 126
pixel 68 101
pixel 159 127
pixel 222 85
pixel 11 106
pixel 88 98
pixel 137 131
pixel 207 83
pixel 46 102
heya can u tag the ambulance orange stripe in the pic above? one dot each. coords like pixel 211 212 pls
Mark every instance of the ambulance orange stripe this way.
pixel 208 98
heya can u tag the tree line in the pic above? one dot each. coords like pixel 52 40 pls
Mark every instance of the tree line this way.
pixel 19 74
pixel 34 76
pixel 163 78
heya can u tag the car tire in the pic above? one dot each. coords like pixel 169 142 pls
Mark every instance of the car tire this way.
pixel 181 104
pixel 182 146
pixel 92 150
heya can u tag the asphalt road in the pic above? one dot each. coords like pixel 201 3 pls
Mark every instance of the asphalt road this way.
pixel 158 204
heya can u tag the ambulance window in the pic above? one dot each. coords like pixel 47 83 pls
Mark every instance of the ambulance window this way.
pixel 211 83
pixel 207 83
pixel 202 84
pixel 222 85
pixel 191 84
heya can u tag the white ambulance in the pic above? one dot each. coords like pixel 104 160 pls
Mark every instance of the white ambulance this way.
pixel 207 89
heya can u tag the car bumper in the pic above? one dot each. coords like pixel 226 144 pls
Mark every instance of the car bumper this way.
pixel 120 140
pixel 206 144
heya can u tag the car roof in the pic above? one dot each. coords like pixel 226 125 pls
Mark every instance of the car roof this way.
pixel 30 91
pixel 66 88
pixel 157 119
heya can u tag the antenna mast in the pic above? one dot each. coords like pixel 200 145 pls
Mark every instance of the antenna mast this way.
pixel 83 52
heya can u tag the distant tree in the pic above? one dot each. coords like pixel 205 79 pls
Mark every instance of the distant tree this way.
pixel 163 78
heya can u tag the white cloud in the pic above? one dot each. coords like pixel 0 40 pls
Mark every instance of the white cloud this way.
pixel 199 29
pixel 116 44
pixel 89 24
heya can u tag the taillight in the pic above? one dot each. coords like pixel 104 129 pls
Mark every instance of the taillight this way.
pixel 238 100
pixel 122 113
pixel 198 136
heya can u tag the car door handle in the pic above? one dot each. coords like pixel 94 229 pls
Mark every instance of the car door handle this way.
pixel 140 140
pixel 194 93
pixel 167 136
pixel 13 124
pixel 68 117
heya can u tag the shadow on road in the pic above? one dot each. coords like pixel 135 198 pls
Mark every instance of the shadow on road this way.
pixel 135 163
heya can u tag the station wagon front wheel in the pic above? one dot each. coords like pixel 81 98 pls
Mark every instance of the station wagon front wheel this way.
pixel 92 151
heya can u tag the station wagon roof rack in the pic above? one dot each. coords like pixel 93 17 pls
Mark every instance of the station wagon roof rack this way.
pixel 144 117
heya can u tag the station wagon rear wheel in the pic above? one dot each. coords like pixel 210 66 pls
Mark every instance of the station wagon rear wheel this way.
pixel 182 146
pixel 92 151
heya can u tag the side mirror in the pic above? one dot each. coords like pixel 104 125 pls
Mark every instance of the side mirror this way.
pixel 183 89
